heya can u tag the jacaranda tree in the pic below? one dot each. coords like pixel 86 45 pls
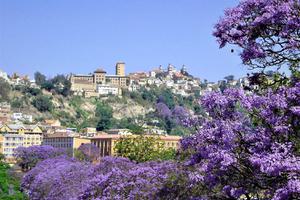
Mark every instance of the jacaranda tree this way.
pixel 268 31
pixel 63 178
pixel 249 147
pixel 87 152
pixel 28 157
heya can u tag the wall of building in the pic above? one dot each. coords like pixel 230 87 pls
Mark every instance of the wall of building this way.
pixel 79 141
pixel 59 142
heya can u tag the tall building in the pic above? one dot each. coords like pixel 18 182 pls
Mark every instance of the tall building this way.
pixel 13 136
pixel 120 69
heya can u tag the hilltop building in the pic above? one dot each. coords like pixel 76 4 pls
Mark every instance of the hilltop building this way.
pixel 4 75
pixel 120 69
pixel 99 83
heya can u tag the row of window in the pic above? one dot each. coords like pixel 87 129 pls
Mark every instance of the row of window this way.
pixel 12 144
pixel 57 145
pixel 13 138
pixel 51 140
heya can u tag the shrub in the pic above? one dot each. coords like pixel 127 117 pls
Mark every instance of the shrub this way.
pixel 42 103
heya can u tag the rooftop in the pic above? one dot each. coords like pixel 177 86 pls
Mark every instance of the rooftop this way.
pixel 99 70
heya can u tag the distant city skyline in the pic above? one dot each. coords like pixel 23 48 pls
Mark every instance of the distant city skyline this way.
pixel 60 37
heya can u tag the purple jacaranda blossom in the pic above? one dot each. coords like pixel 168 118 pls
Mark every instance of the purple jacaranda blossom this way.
pixel 266 30
pixel 163 110
pixel 179 113
pixel 56 178
pixel 247 143
pixel 28 157
pixel 90 152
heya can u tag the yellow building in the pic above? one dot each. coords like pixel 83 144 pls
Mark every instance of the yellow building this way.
pixel 106 142
pixel 17 135
pixel 64 141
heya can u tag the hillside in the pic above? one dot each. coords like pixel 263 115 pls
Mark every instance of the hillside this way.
pixel 74 110
pixel 133 110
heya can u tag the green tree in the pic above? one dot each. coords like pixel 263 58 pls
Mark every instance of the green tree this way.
pixel 5 90
pixel 39 78
pixel 61 85
pixel 104 116
pixel 143 148
pixel 42 103
pixel 9 185
pixel 2 157
pixel 167 97
pixel 48 85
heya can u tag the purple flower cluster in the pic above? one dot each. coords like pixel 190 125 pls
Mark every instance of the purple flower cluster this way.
pixel 179 113
pixel 56 178
pixel 90 152
pixel 249 144
pixel 268 31
pixel 30 156
pixel 113 178
pixel 163 110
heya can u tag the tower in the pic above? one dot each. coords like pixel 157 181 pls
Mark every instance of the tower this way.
pixel 99 76
pixel 120 69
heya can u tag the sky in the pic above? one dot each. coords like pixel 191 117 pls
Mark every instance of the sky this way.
pixel 79 36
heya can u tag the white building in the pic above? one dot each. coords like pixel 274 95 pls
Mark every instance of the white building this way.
pixel 21 117
pixel 119 131
pixel 16 116
pixel 108 90
pixel 4 75
pixel 27 118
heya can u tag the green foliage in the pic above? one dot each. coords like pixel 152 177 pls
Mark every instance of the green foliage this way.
pixel 79 155
pixel 104 116
pixel 128 123
pixel 47 85
pixel 39 78
pixel 61 85
pixel 143 148
pixel 5 90
pixel 180 131
pixel 9 186
pixel 2 157
pixel 76 101
pixel 167 97
pixel 17 103
pixel 42 103
pixel 65 118
pixel 32 91
pixel 167 154
pixel 135 128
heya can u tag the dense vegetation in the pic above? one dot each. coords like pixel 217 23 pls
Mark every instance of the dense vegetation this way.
pixel 9 186
pixel 143 148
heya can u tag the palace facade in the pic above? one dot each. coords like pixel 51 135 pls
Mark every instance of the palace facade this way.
pixel 81 84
